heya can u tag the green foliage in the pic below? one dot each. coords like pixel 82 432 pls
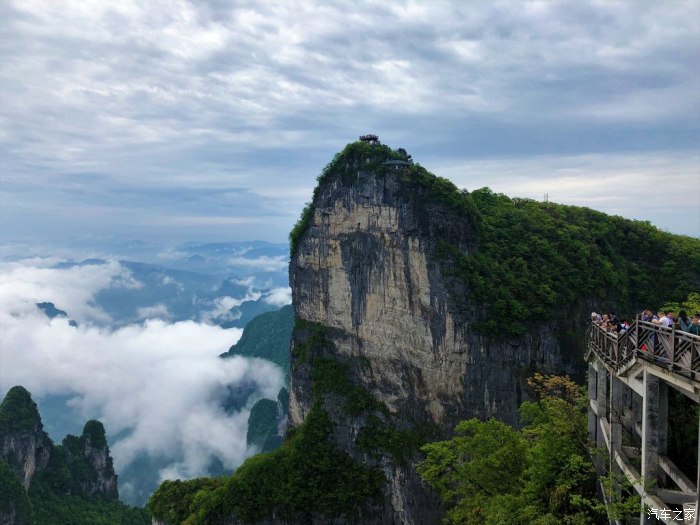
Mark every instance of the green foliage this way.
pixel 51 508
pixel 14 500
pixel 58 476
pixel 57 492
pixel 483 460
pixel 262 425
pixel 304 478
pixel 535 259
pixel 267 336
pixel 378 436
pixel 300 227
pixel 330 376
pixel 492 474
pixel 172 501
pixel 18 412
pixel 691 305
pixel 314 340
pixel 357 156
pixel 95 431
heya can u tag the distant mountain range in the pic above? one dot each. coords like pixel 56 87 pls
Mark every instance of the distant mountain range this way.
pixel 222 283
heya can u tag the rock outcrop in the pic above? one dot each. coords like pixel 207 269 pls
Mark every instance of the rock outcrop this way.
pixel 80 466
pixel 88 458
pixel 23 443
pixel 366 269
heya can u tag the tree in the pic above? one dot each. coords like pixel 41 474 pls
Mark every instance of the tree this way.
pixel 484 460
pixel 492 474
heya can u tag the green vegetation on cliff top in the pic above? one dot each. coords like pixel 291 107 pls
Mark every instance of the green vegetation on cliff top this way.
pixel 18 412
pixel 533 259
pixel 94 431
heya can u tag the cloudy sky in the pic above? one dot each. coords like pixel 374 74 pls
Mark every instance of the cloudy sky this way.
pixel 209 120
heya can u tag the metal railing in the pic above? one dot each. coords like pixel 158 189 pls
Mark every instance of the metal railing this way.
pixel 665 346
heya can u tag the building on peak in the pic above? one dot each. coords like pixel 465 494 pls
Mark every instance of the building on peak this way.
pixel 370 139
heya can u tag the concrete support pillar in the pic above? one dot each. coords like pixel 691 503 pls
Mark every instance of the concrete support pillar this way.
pixel 651 423
pixel 617 412
pixel 618 396
pixel 602 401
pixel 592 399
pixel 654 431
pixel 629 417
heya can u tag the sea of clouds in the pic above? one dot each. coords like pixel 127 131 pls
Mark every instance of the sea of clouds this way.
pixel 157 386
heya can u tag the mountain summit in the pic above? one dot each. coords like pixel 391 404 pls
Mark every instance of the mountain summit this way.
pixel 418 305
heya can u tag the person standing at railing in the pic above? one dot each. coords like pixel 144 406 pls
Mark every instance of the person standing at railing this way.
pixel 648 317
pixel 623 326
pixel 671 315
pixel 694 328
pixel 684 321
pixel 663 319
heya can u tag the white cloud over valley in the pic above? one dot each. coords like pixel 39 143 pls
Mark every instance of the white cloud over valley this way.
pixel 159 387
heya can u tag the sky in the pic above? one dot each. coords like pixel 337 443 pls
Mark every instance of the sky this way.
pixel 209 120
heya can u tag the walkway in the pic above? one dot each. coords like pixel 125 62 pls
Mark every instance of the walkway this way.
pixel 629 377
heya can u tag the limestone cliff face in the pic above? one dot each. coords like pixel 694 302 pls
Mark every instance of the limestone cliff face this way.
pixel 27 453
pixel 23 443
pixel 367 268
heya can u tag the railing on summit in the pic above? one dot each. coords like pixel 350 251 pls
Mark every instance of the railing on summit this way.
pixel 667 347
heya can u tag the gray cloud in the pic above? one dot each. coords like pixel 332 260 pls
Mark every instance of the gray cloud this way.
pixel 124 116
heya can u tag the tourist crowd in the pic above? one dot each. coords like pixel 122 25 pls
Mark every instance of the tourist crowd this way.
pixel 682 321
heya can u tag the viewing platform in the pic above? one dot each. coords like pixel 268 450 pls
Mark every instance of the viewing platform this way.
pixel 628 386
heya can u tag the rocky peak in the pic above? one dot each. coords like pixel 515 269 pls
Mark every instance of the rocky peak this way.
pixel 82 465
pixel 23 443
pixel 89 459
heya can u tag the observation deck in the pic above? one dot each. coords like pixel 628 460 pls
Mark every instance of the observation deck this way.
pixel 628 385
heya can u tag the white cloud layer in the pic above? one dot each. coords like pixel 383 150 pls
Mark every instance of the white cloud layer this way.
pixel 279 296
pixel 25 283
pixel 264 263
pixel 158 386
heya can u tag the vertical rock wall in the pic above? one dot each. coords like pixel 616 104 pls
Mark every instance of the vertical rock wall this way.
pixel 367 268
